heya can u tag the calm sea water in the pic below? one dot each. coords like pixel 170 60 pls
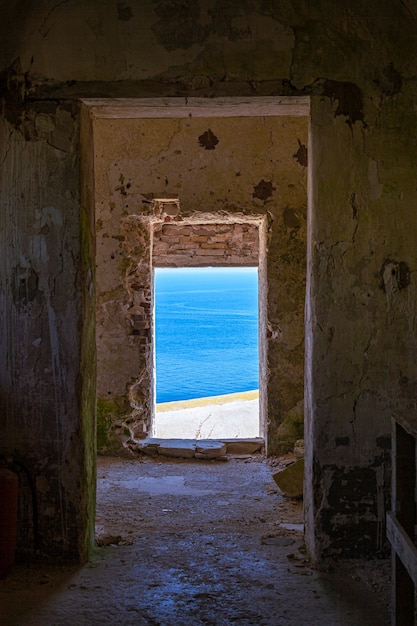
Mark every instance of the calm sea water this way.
pixel 206 332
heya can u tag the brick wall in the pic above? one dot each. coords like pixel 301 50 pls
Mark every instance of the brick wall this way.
pixel 205 245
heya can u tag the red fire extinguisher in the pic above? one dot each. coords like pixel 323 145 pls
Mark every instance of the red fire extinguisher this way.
pixel 9 491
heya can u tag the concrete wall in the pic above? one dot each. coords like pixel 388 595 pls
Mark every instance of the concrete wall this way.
pixel 250 171
pixel 40 317
pixel 356 61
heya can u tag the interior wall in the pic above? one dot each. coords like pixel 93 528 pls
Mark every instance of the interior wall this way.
pixel 222 175
pixel 360 304
pixel 40 318
pixel 356 61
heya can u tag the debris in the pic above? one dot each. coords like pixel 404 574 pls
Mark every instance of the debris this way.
pixel 299 448
pixel 149 448
pixel 290 480
pixel 113 540
pixel 297 527
pixel 210 450
pixel 177 448
pixel 277 541
pixel 243 446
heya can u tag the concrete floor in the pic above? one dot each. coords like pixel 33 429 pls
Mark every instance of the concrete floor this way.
pixel 189 543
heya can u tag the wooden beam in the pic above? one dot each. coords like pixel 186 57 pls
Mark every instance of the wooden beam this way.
pixel 401 523
pixel 131 108
pixel 403 546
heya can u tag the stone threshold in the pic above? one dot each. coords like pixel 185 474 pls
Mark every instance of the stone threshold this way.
pixel 199 448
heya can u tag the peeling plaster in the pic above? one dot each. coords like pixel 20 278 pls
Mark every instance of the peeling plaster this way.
pixel 214 196
pixel 348 97
pixel 362 199
pixel 263 190
pixel 376 187
pixel 301 154
pixel 208 140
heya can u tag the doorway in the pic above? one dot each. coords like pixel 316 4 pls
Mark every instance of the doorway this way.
pixel 240 181
pixel 206 352
pixel 252 179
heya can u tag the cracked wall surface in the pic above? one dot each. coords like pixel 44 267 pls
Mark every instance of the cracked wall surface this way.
pixel 40 322
pixel 356 62
pixel 249 172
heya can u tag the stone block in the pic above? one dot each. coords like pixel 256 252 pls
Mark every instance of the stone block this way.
pixel 182 449
pixel 210 449
pixel 244 446
pixel 290 480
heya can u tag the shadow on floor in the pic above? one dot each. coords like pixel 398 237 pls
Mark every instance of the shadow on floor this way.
pixel 187 543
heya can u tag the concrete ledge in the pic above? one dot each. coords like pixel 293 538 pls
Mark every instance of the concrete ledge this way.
pixel 199 448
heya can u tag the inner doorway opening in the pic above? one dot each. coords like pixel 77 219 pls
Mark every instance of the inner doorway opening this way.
pixel 206 353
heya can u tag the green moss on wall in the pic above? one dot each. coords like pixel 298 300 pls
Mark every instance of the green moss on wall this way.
pixel 103 423
pixel 283 438
pixel 110 416
pixel 125 266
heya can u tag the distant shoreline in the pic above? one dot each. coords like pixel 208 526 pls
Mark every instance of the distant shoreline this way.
pixel 176 405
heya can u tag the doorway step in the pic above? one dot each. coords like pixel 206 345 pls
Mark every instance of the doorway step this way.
pixel 200 448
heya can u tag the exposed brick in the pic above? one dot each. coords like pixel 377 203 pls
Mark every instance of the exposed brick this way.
pixel 239 261
pixel 141 324
pixel 221 238
pixel 188 247
pixel 198 239
pixel 184 245
pixel 214 246
pixel 206 252
pixel 170 239
pixel 178 230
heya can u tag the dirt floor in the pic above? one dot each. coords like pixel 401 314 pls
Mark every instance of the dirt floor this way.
pixel 189 543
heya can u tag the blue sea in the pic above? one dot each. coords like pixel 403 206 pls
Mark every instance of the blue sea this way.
pixel 206 332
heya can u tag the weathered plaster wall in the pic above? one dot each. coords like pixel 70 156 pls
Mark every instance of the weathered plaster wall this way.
pixel 357 61
pixel 229 170
pixel 40 318
pixel 361 302
pixel 88 361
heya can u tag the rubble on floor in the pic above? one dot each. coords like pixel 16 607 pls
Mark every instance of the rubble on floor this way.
pixel 291 479
pixel 290 476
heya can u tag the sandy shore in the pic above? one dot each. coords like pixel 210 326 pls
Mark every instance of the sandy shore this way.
pixel 229 416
